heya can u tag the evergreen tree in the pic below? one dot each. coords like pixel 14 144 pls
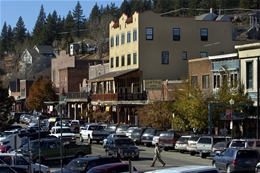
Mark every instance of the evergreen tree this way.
pixel 192 6
pixel 114 11
pixel 39 25
pixel 68 23
pixel 4 39
pixel 147 5
pixel 78 18
pixel 10 38
pixel 49 31
pixel 246 4
pixel 125 8
pixel 19 31
pixel 136 5
pixel 95 13
pixel 163 6
pixel 6 103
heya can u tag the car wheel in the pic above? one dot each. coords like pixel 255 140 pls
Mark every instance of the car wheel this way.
pixel 181 151
pixel 80 155
pixel 39 160
pixel 81 139
pixel 228 169
pixel 203 156
pixel 136 157
pixel 214 164
pixel 257 170
pixel 166 149
pixel 76 130
pixel 192 153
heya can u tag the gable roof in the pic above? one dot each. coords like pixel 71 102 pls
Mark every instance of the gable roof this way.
pixel 44 49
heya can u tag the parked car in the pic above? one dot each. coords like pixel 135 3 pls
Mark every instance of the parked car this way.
pixel 137 134
pixel 148 134
pixel 82 165
pixel 74 126
pixel 181 144
pixel 130 130
pixel 205 144
pixel 167 139
pixel 122 148
pixel 111 168
pixel 236 160
pixel 187 169
pixel 192 145
pixel 93 132
pixel 65 133
pixel 21 161
pixel 113 136
pixel 111 128
pixel 122 128
pixel 218 147
pixel 16 116
pixel 246 143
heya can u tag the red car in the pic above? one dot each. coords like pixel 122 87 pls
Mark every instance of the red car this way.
pixel 112 167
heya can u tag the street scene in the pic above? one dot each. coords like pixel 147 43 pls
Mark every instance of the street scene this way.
pixel 139 86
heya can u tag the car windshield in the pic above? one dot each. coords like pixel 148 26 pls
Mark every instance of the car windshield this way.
pixel 122 128
pixel 5 134
pixel 78 165
pixel 238 144
pixel 194 138
pixel 63 130
pixel 137 131
pixel 124 142
pixel 220 145
pixel 183 139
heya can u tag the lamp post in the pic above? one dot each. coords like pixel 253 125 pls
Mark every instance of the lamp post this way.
pixel 172 119
pixel 231 102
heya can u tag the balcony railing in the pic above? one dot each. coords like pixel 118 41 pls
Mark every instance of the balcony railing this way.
pixel 107 96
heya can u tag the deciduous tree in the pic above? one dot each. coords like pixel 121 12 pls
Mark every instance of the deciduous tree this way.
pixel 42 90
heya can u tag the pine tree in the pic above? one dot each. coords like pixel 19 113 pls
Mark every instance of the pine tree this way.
pixel 10 38
pixel 39 25
pixel 78 18
pixel 125 8
pixel 19 31
pixel 95 13
pixel 4 39
pixel 6 104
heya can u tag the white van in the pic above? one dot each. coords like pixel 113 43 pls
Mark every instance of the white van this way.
pixel 187 169
pixel 246 143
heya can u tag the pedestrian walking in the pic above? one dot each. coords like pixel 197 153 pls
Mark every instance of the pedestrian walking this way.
pixel 157 155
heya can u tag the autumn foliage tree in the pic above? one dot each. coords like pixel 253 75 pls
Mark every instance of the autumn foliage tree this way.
pixel 156 114
pixel 42 90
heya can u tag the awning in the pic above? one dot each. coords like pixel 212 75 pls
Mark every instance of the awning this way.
pixel 20 99
pixel 111 75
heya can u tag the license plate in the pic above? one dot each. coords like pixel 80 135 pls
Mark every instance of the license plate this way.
pixel 248 162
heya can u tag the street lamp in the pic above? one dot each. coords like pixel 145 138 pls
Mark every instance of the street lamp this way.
pixel 231 102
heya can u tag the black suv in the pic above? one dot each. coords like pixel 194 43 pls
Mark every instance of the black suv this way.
pixel 122 148
pixel 82 165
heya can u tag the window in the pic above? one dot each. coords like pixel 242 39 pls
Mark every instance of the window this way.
pixel 184 55
pixel 117 61
pixel 249 74
pixel 128 37
pixel 194 80
pixel 60 81
pixel 112 41
pixel 129 59
pixel 204 34
pixel 203 54
pixel 134 58
pixel 112 63
pixel 149 33
pixel 117 40
pixel 176 34
pixel 216 81
pixel 123 39
pixel 135 35
pixel 22 90
pixel 205 81
pixel 65 81
pixel 165 57
pixel 123 60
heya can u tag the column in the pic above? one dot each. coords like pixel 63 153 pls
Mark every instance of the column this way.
pixel 68 106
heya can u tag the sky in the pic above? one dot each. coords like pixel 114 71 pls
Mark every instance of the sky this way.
pixel 11 10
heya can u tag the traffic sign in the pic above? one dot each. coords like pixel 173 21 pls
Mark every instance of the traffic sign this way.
pixel 15 141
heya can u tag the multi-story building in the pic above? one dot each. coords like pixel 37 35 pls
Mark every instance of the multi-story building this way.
pixel 148 48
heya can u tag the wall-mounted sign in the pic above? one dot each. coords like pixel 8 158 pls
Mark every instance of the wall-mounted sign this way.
pixel 152 85
pixel 235 116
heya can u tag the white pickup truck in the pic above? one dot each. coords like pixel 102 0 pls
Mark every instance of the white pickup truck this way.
pixel 93 132
pixel 64 132
pixel 21 161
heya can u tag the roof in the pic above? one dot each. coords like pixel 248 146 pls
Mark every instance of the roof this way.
pixel 207 16
pixel 44 49
pixel 111 75
pixel 184 169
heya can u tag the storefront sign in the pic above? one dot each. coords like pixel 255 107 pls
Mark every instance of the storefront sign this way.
pixel 152 84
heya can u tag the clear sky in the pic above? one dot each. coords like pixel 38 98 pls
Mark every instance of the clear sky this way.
pixel 11 10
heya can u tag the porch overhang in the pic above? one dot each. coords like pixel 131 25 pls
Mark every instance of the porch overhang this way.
pixel 112 75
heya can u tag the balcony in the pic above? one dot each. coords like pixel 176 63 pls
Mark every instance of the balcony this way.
pixel 77 95
pixel 119 97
